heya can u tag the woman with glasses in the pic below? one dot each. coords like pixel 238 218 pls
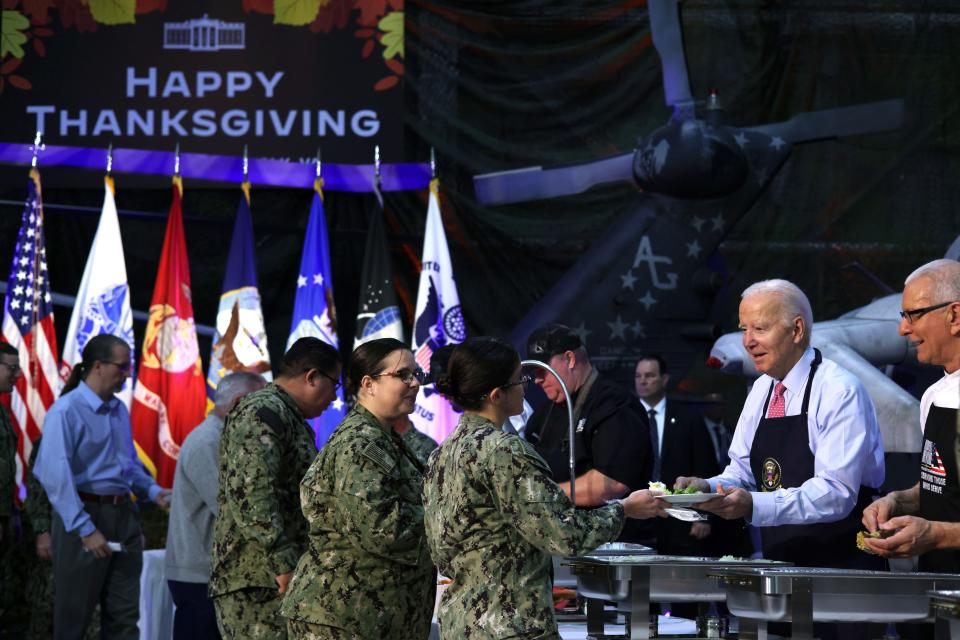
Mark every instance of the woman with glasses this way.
pixel 494 516
pixel 367 573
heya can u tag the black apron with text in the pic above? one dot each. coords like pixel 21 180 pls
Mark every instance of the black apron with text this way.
pixel 780 457
pixel 939 488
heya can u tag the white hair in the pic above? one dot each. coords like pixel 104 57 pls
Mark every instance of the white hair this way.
pixel 234 385
pixel 945 274
pixel 793 301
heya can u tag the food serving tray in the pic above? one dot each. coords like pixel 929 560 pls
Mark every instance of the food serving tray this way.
pixel 633 581
pixel 688 498
pixel 946 604
pixel 621 549
pixel 804 594
pixel 669 578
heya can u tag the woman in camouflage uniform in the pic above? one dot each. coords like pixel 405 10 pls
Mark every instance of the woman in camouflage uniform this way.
pixel 367 573
pixel 494 515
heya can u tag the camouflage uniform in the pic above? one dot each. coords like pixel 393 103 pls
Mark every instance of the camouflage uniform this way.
pixel 265 449
pixel 8 483
pixel 419 443
pixel 367 573
pixel 493 517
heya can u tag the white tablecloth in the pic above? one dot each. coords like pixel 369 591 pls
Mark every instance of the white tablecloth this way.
pixel 156 604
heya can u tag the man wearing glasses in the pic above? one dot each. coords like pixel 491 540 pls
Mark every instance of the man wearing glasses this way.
pixel 88 467
pixel 925 519
pixel 612 439
pixel 266 447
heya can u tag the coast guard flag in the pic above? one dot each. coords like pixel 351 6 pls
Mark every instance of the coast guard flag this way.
pixel 240 343
pixel 379 313
pixel 28 326
pixel 438 322
pixel 103 300
pixel 169 398
pixel 314 314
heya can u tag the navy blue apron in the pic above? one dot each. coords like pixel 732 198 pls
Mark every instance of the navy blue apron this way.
pixel 780 457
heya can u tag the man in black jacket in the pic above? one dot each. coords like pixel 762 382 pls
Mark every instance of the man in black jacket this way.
pixel 612 439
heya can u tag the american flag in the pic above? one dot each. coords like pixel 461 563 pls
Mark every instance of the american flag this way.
pixel 28 326
pixel 423 355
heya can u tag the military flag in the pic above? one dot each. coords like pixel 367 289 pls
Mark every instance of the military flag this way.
pixel 28 326
pixel 314 313
pixel 169 397
pixel 438 321
pixel 240 343
pixel 379 312
pixel 103 300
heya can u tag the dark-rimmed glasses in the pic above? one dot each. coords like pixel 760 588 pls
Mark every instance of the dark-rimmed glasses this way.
pixel 123 367
pixel 336 383
pixel 524 380
pixel 406 376
pixel 912 315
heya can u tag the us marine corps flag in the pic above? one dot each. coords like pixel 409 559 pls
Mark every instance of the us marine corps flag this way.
pixel 379 313
pixel 169 398
pixel 314 313
pixel 438 321
pixel 103 300
pixel 240 343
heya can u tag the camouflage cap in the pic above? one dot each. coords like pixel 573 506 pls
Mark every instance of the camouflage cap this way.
pixel 550 340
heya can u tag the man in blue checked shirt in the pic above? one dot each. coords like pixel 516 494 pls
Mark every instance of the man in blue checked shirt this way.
pixel 88 467
pixel 807 454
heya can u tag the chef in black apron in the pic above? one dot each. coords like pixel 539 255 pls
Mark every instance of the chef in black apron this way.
pixel 925 519
pixel 807 424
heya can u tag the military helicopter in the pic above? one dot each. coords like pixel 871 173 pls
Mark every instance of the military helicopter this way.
pixel 688 157
pixel 646 282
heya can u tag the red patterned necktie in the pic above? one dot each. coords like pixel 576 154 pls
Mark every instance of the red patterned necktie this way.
pixel 777 405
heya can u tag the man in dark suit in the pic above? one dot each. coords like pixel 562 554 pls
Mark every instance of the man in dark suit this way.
pixel 680 442
pixel 727 537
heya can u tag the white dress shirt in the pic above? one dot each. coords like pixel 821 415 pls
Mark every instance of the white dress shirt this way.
pixel 661 409
pixel 944 393
pixel 844 438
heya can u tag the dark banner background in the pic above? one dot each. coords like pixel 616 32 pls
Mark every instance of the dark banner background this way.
pixel 499 85
pixel 274 94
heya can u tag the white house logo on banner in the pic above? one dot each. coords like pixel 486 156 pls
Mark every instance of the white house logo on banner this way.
pixel 204 34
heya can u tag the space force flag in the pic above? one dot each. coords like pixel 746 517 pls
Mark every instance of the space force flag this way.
pixel 379 312
pixel 314 313
pixel 438 321
pixel 169 398
pixel 28 326
pixel 103 300
pixel 240 343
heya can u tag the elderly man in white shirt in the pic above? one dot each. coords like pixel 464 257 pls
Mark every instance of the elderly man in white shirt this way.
pixel 807 454
pixel 924 520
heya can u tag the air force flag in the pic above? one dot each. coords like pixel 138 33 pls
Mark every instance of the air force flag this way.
pixel 314 314
pixel 103 301
pixel 438 322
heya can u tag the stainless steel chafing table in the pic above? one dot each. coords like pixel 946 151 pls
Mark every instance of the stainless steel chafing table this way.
pixel 634 581
pixel 946 605
pixel 803 595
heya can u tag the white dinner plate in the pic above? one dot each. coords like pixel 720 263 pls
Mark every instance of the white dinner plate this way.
pixel 689 498
pixel 687 515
